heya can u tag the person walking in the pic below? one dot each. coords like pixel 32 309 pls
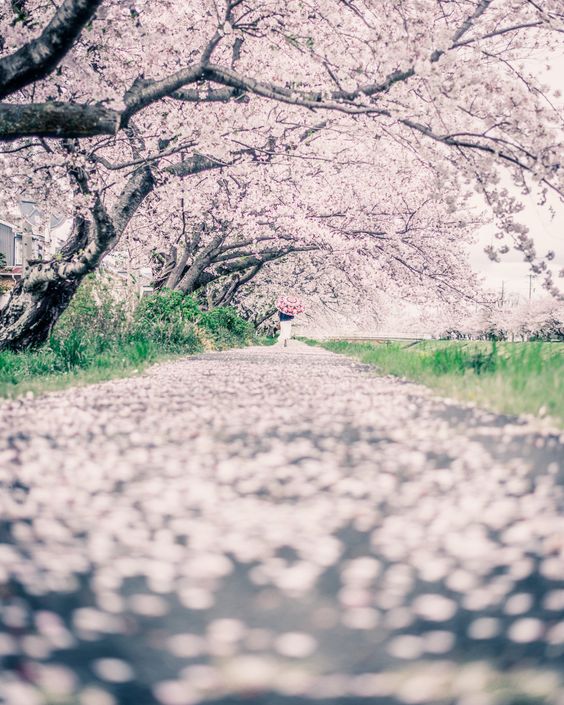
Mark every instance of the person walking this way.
pixel 285 327
pixel 288 307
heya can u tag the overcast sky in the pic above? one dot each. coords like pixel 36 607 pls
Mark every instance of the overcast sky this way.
pixel 547 230
pixel 512 271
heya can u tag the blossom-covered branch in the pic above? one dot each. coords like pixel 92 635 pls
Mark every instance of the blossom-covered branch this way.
pixel 37 59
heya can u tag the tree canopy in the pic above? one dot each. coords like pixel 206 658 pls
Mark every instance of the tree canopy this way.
pixel 358 132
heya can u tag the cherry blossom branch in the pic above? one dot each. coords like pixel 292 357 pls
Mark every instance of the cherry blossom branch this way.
pixel 142 160
pixel 498 33
pixel 38 58
pixel 471 19
pixel 20 148
pixel 247 243
pixel 427 275
pixel 313 99
pixel 262 258
pixel 194 165
pixel 452 141
pixel 143 93
pixel 211 96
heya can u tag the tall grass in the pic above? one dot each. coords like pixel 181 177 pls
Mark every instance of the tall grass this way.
pixel 509 377
pixel 74 360
pixel 97 338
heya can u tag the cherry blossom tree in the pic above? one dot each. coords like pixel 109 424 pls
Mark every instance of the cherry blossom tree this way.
pixel 528 320
pixel 180 89
pixel 290 205
pixel 231 230
pixel 42 295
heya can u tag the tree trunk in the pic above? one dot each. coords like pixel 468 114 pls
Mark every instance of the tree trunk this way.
pixel 35 305
pixel 38 58
pixel 188 283
pixel 45 291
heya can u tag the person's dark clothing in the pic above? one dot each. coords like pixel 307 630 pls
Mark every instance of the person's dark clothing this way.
pixel 284 316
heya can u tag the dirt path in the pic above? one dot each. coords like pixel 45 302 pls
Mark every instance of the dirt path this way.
pixel 271 526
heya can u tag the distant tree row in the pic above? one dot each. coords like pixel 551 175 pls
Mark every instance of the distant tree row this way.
pixel 541 319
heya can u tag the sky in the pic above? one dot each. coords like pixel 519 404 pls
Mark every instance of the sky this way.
pixel 512 272
pixel 547 231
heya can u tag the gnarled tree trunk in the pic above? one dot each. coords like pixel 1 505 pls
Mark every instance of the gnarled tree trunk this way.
pixel 36 303
pixel 224 264
pixel 45 291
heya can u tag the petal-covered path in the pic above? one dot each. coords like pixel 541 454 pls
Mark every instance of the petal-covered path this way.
pixel 272 526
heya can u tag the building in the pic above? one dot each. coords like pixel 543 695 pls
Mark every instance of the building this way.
pixel 11 251
pixel 28 235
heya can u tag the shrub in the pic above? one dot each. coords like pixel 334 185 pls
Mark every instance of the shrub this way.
pixel 168 318
pixel 97 338
pixel 94 313
pixel 225 325
pixel 168 305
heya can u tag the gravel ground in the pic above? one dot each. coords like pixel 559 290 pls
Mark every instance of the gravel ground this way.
pixel 277 525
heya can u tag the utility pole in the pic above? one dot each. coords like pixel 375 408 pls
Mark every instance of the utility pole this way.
pixel 530 285
pixel 502 294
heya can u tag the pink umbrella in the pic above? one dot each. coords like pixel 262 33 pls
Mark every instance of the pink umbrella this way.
pixel 290 305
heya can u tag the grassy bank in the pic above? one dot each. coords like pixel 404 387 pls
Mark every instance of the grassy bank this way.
pixel 514 378
pixel 99 339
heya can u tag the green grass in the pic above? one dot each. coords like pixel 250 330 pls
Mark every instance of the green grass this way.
pixel 514 378
pixel 96 339
pixel 266 340
pixel 53 367
pixel 78 360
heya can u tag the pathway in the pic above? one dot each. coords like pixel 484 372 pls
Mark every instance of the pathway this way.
pixel 272 526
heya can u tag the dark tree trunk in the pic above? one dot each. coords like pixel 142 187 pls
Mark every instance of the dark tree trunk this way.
pixel 225 266
pixel 38 58
pixel 34 307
